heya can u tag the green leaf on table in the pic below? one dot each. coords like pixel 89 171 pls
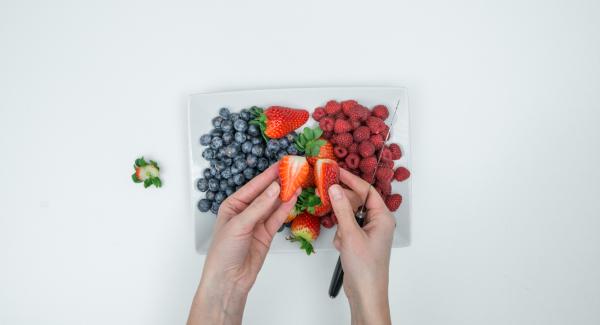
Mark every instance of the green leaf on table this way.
pixel 135 179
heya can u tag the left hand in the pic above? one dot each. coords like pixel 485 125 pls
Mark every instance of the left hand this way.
pixel 245 227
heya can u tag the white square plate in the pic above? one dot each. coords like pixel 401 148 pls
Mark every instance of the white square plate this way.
pixel 203 107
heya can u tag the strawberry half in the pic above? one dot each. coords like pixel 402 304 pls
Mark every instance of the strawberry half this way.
pixel 327 173
pixel 293 172
pixel 313 145
pixel 277 121
pixel 305 229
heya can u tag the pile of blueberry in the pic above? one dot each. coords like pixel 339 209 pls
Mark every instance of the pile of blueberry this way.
pixel 236 151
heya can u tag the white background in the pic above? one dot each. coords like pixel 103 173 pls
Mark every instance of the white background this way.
pixel 505 104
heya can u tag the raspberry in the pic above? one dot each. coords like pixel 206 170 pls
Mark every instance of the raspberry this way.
pixel 386 163
pixel 396 152
pixel 353 148
pixel 355 172
pixel 332 107
pixel 386 154
pixel 385 187
pixel 393 201
pixel 333 218
pixel 366 149
pixel 347 105
pixel 319 113
pixel 342 139
pixel 339 116
pixel 368 165
pixel 358 113
pixel 342 126
pixel 376 125
pixel 326 124
pixel 401 174
pixel 352 160
pixel 380 111
pixel 368 177
pixel 342 164
pixel 340 152
pixel 361 134
pixel 327 135
pixel 355 124
pixel 384 174
pixel 377 141
pixel 326 221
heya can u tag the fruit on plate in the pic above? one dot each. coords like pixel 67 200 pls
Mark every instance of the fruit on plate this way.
pixel 307 201
pixel 305 229
pixel 146 172
pixel 277 121
pixel 310 141
pixel 326 174
pixel 293 172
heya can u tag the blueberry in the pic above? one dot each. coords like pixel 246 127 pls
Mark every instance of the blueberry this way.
pixel 210 195
pixel 216 132
pixel 226 126
pixel 287 225
pixel 240 137
pixel 240 164
pixel 231 151
pixel 246 147
pixel 220 165
pixel 268 153
pixel 249 173
pixel 273 145
pixel 224 112
pixel 292 150
pixel 257 140
pixel 213 184
pixel 258 150
pixel 216 143
pixel 283 143
pixel 291 137
pixel 234 116
pixel 281 228
pixel 253 130
pixel 221 153
pixel 208 153
pixel 204 205
pixel 217 122
pixel 246 115
pixel 230 181
pixel 202 185
pixel 213 171
pixel 205 139
pixel 240 125
pixel 222 185
pixel 263 163
pixel 228 161
pixel 228 137
pixel 229 190
pixel 214 208
pixel 280 154
pixel 218 176
pixel 251 160
pixel 239 179
pixel 235 170
pixel 226 173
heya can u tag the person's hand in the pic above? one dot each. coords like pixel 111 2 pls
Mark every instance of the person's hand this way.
pixel 365 252
pixel 245 226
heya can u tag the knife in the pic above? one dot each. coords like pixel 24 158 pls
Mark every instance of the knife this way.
pixel 337 279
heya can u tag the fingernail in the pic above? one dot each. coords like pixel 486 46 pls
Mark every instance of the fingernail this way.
pixel 272 190
pixel 335 193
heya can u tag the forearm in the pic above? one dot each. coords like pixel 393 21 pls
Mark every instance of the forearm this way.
pixel 370 310
pixel 217 303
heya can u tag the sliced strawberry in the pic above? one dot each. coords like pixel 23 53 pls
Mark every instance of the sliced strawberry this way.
pixel 293 171
pixel 326 174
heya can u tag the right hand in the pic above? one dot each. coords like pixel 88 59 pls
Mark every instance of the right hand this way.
pixel 365 252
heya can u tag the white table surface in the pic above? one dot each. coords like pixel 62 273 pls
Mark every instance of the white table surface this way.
pixel 505 105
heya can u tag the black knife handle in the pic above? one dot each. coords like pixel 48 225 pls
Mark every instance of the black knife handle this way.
pixel 337 279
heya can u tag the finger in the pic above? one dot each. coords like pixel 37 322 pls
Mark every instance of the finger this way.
pixel 256 186
pixel 261 207
pixel 276 220
pixel 355 199
pixel 343 210
pixel 362 187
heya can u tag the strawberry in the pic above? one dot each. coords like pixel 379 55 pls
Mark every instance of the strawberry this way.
pixel 293 172
pixel 368 164
pixel 326 174
pixel 340 152
pixel 393 201
pixel 313 145
pixel 332 107
pixel 401 174
pixel 342 139
pixel 347 105
pixel 353 148
pixel 377 141
pixel 361 134
pixel 310 179
pixel 352 160
pixel 380 111
pixel 326 221
pixel 384 174
pixel 326 124
pixel 277 121
pixel 319 113
pixel 396 152
pixel 342 126
pixel 146 172
pixel 307 201
pixel 366 149
pixel 376 125
pixel 305 229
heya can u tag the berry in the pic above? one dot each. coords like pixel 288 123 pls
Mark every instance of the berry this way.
pixel 247 146
pixel 310 179
pixel 227 125
pixel 204 205
pixel 249 173
pixel 257 140
pixel 283 143
pixel 326 174
pixel 258 150
pixel 396 152
pixel 292 150
pixel 210 195
pixel 340 152
pixel 234 117
pixel 293 171
pixel 226 173
pixel 339 116
pixel 358 113
pixel 216 132
pixel 273 145
pixel 361 134
pixel 355 124
pixel 239 179
pixel 291 137
pixel 220 196
pixel 377 141
pixel 347 105
pixel 366 149
pixel 327 135
pixel 207 173
pixel 368 164
pixel 393 201
pixel 217 121
pixel 213 184
pixel 332 107
pixel 227 137
pixel 208 154
pixel 380 111
pixel 326 124
pixel 384 174
pixel 216 143
pixel 240 163
pixel 262 164
pixel 319 113
pixel 305 229
pixel 240 125
pixel 253 130
pixel 246 115
pixel 368 177
pixel 240 137
pixel 202 185
pixel 251 160
pixel 385 187
pixel 229 190
pixel 327 222
pixel 342 126
pixel 352 160
pixel 313 146
pixel 376 125
pixel 277 121
pixel 281 153
pixel 401 174
pixel 342 139
pixel 224 112
pixel 353 148
pixel 205 139
pixel 386 163
pixel 231 151
pixel 214 208
pixel 386 154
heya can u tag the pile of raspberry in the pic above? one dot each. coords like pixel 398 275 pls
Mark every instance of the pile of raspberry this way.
pixel 357 134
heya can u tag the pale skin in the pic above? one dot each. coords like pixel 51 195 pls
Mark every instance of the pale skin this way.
pixel 246 224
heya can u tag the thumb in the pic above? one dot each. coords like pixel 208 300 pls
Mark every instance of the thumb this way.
pixel 343 209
